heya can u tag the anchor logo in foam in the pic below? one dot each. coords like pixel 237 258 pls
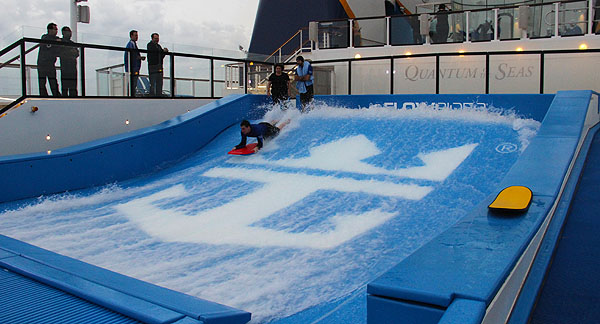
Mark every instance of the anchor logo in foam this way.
pixel 232 222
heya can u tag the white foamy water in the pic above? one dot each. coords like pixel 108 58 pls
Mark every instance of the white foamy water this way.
pixel 338 198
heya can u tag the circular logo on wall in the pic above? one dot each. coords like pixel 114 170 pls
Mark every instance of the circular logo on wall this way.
pixel 506 148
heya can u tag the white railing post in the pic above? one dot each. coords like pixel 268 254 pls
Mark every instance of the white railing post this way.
pixel 467 38
pixel 496 24
pixel 301 39
pixel 351 33
pixel 279 55
pixel 556 4
pixel 590 16
pixel 387 31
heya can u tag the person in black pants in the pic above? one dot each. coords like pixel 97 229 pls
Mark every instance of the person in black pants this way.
pixel 68 65
pixel 135 58
pixel 45 63
pixel 156 54
pixel 278 85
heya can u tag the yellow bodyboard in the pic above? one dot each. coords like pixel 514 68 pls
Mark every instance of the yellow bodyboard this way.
pixel 513 198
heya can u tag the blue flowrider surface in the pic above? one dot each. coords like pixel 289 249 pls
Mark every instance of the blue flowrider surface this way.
pixel 295 232
pixel 571 291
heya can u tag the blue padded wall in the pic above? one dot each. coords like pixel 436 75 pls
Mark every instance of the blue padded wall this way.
pixel 122 156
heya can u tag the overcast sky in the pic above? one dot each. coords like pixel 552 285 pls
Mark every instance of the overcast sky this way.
pixel 222 24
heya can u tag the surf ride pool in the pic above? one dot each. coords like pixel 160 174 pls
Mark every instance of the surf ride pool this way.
pixel 337 199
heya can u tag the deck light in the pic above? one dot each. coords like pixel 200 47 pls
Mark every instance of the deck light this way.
pixel 48 137
pixel 357 56
pixel 126 121
pixel 519 49
pixel 34 109
pixel 583 46
pixel 49 151
pixel 408 53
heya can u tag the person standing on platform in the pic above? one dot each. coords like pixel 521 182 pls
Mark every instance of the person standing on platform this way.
pixel 442 28
pixel 134 58
pixel 278 85
pixel 304 81
pixel 45 63
pixel 156 54
pixel 68 65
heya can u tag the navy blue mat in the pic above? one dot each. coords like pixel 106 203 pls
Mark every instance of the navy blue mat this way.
pixel 571 291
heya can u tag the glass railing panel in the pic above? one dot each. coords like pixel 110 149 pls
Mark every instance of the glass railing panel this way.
pixel 405 30
pixel 369 32
pixel 334 34
pixel 258 75
pixel 447 28
pixel 192 77
pixel 414 75
pixel 10 74
pixel 234 76
pixel 330 78
pixel 105 73
pixel 371 76
pixel 227 78
pixel 541 21
pixel 517 73
pixel 508 24
pixel 583 65
pixel 481 25
pixel 462 74
pixel 572 18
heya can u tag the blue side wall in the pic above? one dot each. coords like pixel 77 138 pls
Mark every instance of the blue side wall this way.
pixel 122 156
pixel 465 266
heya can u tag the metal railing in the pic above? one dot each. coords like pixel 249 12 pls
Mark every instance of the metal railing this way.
pixel 185 75
pixel 565 18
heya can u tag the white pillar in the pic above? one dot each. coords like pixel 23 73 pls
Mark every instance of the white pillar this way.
pixel 73 9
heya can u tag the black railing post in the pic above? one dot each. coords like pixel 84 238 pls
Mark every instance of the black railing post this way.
pixel 82 69
pixel 391 75
pixel 212 78
pixel 350 77
pixel 437 74
pixel 542 73
pixel 172 76
pixel 487 73
pixel 245 77
pixel 23 70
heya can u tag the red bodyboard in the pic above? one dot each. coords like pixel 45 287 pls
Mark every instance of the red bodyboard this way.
pixel 249 149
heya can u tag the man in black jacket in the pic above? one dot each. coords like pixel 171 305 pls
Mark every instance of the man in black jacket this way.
pixel 46 58
pixel 68 65
pixel 156 54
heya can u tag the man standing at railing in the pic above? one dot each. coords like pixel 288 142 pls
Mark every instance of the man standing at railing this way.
pixel 135 58
pixel 45 63
pixel 68 65
pixel 304 81
pixel 156 54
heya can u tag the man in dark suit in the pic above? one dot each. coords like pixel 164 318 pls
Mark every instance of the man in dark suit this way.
pixel 156 54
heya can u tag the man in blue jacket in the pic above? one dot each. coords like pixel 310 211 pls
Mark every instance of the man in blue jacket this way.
pixel 261 131
pixel 304 81
pixel 135 58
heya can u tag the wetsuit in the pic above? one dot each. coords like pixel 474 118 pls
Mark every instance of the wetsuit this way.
pixel 260 131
